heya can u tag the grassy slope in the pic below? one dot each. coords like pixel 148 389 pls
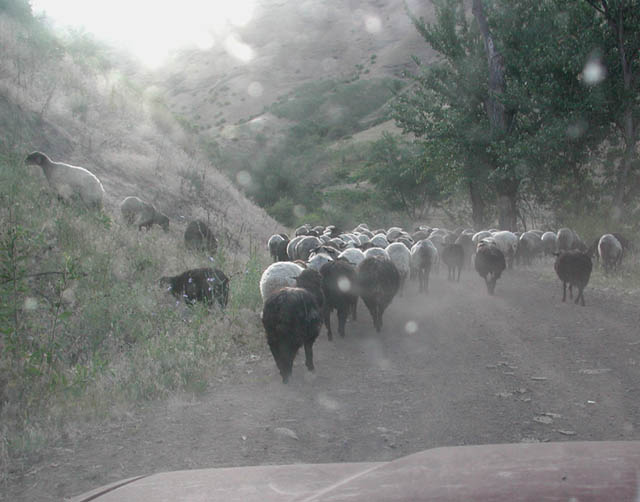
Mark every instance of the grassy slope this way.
pixel 85 328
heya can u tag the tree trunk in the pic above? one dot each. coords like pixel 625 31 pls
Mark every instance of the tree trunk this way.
pixel 507 204
pixel 499 118
pixel 615 14
pixel 626 163
pixel 477 206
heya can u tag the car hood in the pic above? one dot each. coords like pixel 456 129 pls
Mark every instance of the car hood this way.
pixel 562 471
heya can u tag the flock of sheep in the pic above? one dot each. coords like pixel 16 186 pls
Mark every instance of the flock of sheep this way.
pixel 322 269
pixel 73 183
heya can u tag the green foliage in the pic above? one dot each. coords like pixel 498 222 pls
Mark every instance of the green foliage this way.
pixel 18 9
pixel 445 106
pixel 405 175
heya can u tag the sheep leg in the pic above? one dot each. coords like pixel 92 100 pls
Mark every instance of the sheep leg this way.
pixel 342 319
pixel 564 291
pixel 570 291
pixel 279 355
pixel 459 271
pixel 327 322
pixel 377 317
pixel 308 354
pixel 355 308
pixel 580 296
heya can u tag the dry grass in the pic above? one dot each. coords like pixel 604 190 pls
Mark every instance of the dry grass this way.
pixel 100 335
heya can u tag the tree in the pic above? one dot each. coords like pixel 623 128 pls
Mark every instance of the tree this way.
pixel 620 30
pixel 444 106
pixel 402 174
pixel 500 121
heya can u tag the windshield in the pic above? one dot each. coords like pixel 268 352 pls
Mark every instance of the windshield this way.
pixel 272 232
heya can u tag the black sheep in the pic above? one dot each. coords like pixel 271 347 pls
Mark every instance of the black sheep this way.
pixel 453 257
pixel 199 285
pixel 573 268
pixel 292 317
pixel 378 283
pixel 281 248
pixel 338 286
pixel 490 264
pixel 199 236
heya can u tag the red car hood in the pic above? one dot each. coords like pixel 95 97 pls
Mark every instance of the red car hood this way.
pixel 565 471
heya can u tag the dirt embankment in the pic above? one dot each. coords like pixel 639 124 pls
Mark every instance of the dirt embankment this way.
pixel 469 369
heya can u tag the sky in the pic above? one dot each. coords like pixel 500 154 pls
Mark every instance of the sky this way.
pixel 150 29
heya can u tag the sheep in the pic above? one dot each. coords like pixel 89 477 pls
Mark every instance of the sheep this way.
pixel 302 230
pixel 507 242
pixel 277 245
pixel 136 211
pixel 419 235
pixel 377 252
pixel 573 267
pixel 529 247
pixel 317 261
pixel 468 247
pixel 69 181
pixel 610 252
pixel 378 282
pixel 400 256
pixel 453 257
pixel 549 243
pixel 307 244
pixel 292 317
pixel 325 249
pixel 489 263
pixel 380 240
pixel 199 285
pixel 338 286
pixel 478 236
pixel 565 239
pixel 352 255
pixel 291 247
pixel 199 236
pixel 424 255
pixel 278 275
pixel 394 233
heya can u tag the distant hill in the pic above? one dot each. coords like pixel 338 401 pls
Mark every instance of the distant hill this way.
pixel 319 80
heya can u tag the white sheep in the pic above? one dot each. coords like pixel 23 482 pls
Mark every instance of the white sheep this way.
pixel 550 243
pixel 278 275
pixel 400 256
pixel 316 261
pixel 507 242
pixel 424 256
pixel 69 181
pixel 376 251
pixel 610 252
pixel 291 247
pixel 380 240
pixel 135 211
pixel 352 255
pixel 478 236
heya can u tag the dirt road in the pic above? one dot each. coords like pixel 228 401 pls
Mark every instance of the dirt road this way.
pixel 451 368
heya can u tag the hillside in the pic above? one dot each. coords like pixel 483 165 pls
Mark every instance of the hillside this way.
pixel 86 104
pixel 292 43
pixel 289 104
